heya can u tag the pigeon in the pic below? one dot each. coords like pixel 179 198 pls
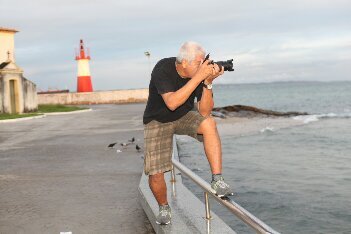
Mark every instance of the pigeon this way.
pixel 137 148
pixel 111 145
pixel 132 140
pixel 124 144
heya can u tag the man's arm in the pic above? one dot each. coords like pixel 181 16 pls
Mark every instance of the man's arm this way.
pixel 175 99
pixel 205 105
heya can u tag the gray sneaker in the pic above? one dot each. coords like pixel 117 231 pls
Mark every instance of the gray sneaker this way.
pixel 222 188
pixel 164 216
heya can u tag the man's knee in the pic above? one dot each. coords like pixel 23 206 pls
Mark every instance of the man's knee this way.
pixel 156 178
pixel 209 124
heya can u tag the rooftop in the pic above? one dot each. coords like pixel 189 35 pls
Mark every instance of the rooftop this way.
pixel 8 30
pixel 4 64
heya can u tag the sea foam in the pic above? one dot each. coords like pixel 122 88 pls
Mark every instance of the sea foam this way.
pixel 312 118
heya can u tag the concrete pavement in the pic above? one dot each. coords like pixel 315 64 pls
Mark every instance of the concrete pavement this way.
pixel 57 175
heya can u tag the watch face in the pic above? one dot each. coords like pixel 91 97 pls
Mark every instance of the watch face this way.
pixel 209 86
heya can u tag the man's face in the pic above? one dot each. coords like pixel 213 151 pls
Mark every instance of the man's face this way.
pixel 192 67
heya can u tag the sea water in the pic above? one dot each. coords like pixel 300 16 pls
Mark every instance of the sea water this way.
pixel 295 179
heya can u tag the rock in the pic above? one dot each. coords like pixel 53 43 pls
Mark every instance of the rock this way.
pixel 218 114
pixel 249 112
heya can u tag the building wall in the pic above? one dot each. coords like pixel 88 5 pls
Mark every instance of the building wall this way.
pixel 25 92
pixel 7 43
pixel 2 94
pixel 30 96
pixel 99 97
pixel 5 92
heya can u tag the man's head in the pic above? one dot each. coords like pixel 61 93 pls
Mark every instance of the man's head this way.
pixel 189 58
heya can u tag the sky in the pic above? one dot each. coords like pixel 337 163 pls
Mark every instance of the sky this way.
pixel 270 41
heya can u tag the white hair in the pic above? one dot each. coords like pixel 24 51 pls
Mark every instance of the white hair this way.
pixel 189 50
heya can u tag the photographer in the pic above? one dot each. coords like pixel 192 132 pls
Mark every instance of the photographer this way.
pixel 175 82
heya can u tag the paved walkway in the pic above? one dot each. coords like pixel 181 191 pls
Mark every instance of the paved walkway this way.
pixel 57 175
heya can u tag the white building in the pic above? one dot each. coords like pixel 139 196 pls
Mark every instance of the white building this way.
pixel 17 94
pixel 7 45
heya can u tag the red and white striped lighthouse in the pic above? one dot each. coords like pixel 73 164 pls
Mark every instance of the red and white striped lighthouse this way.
pixel 84 80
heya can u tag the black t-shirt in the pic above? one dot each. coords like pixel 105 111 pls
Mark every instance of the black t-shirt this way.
pixel 164 79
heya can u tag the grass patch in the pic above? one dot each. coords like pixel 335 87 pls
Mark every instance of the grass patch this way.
pixel 42 109
pixel 58 108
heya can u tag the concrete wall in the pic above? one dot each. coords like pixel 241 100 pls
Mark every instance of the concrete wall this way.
pixel 2 84
pixel 5 92
pixel 30 96
pixel 25 93
pixel 99 97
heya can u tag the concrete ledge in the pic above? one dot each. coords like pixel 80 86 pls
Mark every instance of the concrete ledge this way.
pixel 188 212
pixel 22 119
pixel 69 112
pixel 43 116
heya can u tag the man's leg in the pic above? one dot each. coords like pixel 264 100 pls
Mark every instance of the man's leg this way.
pixel 158 187
pixel 213 150
pixel 193 124
pixel 212 144
pixel 158 145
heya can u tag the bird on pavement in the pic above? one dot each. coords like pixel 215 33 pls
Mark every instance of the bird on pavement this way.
pixel 132 140
pixel 111 145
pixel 137 147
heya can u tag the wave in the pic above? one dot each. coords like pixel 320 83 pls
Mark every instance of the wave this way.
pixel 267 129
pixel 312 118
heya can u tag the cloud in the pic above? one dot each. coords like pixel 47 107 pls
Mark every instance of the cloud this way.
pixel 269 40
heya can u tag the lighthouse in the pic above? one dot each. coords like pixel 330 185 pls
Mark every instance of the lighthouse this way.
pixel 83 80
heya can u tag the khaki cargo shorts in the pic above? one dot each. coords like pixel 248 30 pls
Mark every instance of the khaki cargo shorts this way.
pixel 158 140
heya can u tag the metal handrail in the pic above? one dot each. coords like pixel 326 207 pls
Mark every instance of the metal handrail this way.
pixel 248 218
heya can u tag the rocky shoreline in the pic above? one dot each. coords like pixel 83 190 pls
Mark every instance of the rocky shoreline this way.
pixel 250 112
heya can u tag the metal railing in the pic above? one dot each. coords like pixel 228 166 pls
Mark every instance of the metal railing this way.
pixel 236 209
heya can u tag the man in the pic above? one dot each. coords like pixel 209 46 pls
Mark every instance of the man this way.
pixel 175 82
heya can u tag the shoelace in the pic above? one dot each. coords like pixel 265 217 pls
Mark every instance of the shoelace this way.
pixel 222 184
pixel 164 212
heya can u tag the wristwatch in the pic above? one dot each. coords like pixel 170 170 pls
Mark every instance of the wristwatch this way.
pixel 208 86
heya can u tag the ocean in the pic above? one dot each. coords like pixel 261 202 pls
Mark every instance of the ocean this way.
pixel 296 179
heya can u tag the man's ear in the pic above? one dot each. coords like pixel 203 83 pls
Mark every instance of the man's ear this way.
pixel 184 63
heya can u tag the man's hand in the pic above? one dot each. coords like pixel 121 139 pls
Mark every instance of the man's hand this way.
pixel 204 71
pixel 216 71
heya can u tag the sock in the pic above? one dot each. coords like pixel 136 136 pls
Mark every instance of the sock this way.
pixel 164 206
pixel 216 177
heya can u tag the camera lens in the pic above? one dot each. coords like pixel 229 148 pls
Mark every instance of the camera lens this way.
pixel 227 65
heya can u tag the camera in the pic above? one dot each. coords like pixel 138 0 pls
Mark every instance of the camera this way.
pixel 227 65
